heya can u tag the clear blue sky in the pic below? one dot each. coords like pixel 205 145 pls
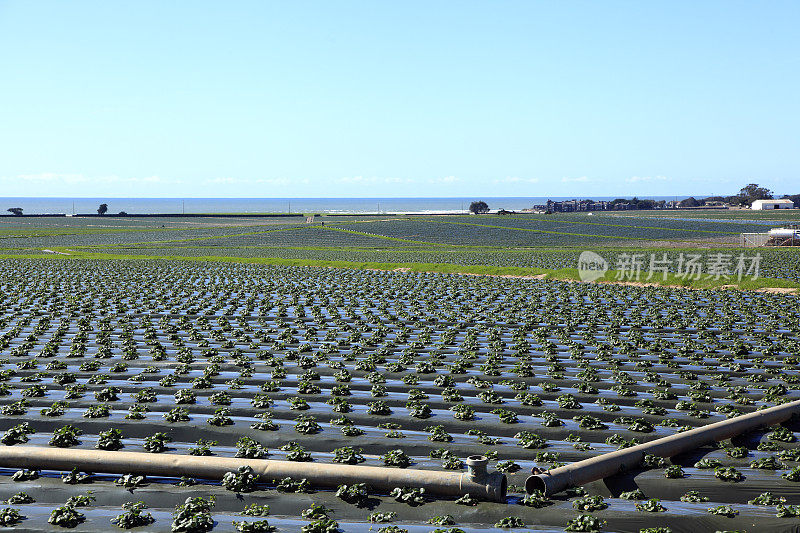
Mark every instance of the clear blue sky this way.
pixel 374 98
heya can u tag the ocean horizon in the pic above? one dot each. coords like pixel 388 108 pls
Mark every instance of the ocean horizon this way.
pixel 47 205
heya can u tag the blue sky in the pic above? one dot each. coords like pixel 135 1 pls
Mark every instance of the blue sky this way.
pixel 378 99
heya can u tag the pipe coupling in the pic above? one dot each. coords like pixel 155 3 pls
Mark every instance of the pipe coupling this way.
pixel 479 482
pixel 476 467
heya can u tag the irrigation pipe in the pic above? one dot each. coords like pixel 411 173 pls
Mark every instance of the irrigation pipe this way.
pixel 588 470
pixel 476 482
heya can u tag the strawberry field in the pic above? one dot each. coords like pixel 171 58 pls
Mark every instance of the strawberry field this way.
pixel 566 229
pixel 388 369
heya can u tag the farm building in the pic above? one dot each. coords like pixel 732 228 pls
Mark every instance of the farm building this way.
pixel 772 204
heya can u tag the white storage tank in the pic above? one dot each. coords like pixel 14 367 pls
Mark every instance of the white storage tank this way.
pixel 786 233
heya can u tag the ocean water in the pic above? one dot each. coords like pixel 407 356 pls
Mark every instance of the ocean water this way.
pixel 272 205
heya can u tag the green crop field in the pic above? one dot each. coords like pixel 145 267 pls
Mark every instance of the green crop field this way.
pixel 398 342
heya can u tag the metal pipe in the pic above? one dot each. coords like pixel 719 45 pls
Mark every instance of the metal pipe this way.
pixel 477 482
pixel 608 464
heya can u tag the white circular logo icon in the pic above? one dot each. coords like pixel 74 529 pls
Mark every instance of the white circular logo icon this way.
pixel 591 266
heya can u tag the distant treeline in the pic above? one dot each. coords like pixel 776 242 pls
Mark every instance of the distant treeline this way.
pixel 734 201
pixel 747 195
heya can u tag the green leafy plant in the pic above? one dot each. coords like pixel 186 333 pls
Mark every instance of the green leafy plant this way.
pixel 693 496
pixel 674 472
pixel 257 526
pixel 411 496
pixel 767 463
pixel 355 493
pixel 20 498
pixel 708 463
pixel 782 434
pixel 66 437
pixel 307 425
pixel 792 475
pixel 203 447
pixel 10 517
pixel 315 512
pixel 290 485
pixel 157 442
pixel 295 452
pixel 506 416
pixel 653 461
pixel 176 414
pixel 728 473
pixel 17 434
pixel 378 407
pixel 348 455
pixel 442 520
pixel 530 440
pixel 767 498
pixel 509 522
pixel 66 516
pixel 243 480
pixel 322 525
pixel 110 439
pixel 221 417
pixel 396 458
pixel 25 475
pixel 468 500
pixel 589 504
pixel 381 518
pixel 81 500
pixel 651 506
pixel 507 467
pixel 585 523
pixel 787 511
pixel 193 516
pixel 97 411
pixel 130 481
pixel 74 477
pixel 723 510
pixel 255 509
pixel 249 448
pixel 635 494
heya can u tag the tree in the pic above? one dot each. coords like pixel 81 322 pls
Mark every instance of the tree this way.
pixel 478 207
pixel 17 211
pixel 102 210
pixel 735 200
pixel 689 202
pixel 642 204
pixel 793 197
pixel 752 192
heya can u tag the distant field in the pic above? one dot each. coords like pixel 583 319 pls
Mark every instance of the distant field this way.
pixel 521 241
pixel 724 214
pixel 562 230
pixel 775 263
pixel 515 231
